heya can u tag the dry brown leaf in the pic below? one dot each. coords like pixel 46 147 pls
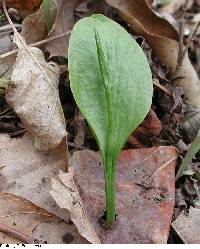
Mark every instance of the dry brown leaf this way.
pixel 20 214
pixel 24 4
pixel 35 98
pixel 66 195
pixel 187 226
pixel 147 132
pixel 34 223
pixel 26 172
pixel 23 7
pixel 34 26
pixel 163 39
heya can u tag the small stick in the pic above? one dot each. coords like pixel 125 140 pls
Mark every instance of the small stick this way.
pixel 9 27
pixel 191 38
pixel 161 87
pixel 36 44
pixel 5 111
pixel 16 133
pixel 181 35
pixel 80 126
pixel 16 234
pixel 77 146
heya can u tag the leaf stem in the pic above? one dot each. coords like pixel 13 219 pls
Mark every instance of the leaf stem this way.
pixel 195 146
pixel 4 83
pixel 109 162
pixel 110 192
pixel 47 14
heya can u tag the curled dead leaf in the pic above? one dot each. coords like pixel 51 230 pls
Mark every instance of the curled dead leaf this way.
pixel 35 98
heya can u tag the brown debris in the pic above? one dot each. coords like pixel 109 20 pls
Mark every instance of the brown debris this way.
pixel 147 132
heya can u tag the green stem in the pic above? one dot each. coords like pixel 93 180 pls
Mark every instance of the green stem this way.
pixel 110 192
pixel 47 14
pixel 4 83
pixel 109 162
pixel 195 146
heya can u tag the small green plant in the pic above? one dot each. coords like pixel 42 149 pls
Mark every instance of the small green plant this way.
pixel 112 85
pixel 47 14
pixel 195 147
pixel 4 82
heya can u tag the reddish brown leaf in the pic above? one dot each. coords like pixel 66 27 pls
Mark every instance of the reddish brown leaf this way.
pixel 147 131
pixel 30 5
pixel 145 193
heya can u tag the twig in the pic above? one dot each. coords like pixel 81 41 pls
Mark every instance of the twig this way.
pixel 16 133
pixel 161 87
pixel 36 44
pixel 17 234
pixel 77 146
pixel 191 38
pixel 8 109
pixel 181 35
pixel 9 27
pixel 80 126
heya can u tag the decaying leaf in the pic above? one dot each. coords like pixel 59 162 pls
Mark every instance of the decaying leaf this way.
pixel 144 192
pixel 66 195
pixel 34 26
pixel 23 7
pixel 32 224
pixel 187 226
pixel 147 132
pixel 35 98
pixel 26 172
pixel 20 214
pixel 23 4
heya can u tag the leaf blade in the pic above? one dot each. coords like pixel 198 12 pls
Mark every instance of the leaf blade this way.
pixel 118 48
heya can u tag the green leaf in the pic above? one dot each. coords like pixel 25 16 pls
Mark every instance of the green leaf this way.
pixel 112 85
pixel 195 147
pixel 4 83
pixel 47 14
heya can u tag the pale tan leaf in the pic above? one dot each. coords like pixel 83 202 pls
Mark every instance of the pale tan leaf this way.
pixel 25 222
pixel 26 172
pixel 20 214
pixel 187 226
pixel 66 195
pixel 35 98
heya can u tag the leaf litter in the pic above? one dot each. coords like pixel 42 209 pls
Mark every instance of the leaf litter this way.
pixel 51 229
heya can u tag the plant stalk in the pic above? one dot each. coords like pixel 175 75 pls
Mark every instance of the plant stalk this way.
pixel 4 83
pixel 110 193
pixel 47 14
